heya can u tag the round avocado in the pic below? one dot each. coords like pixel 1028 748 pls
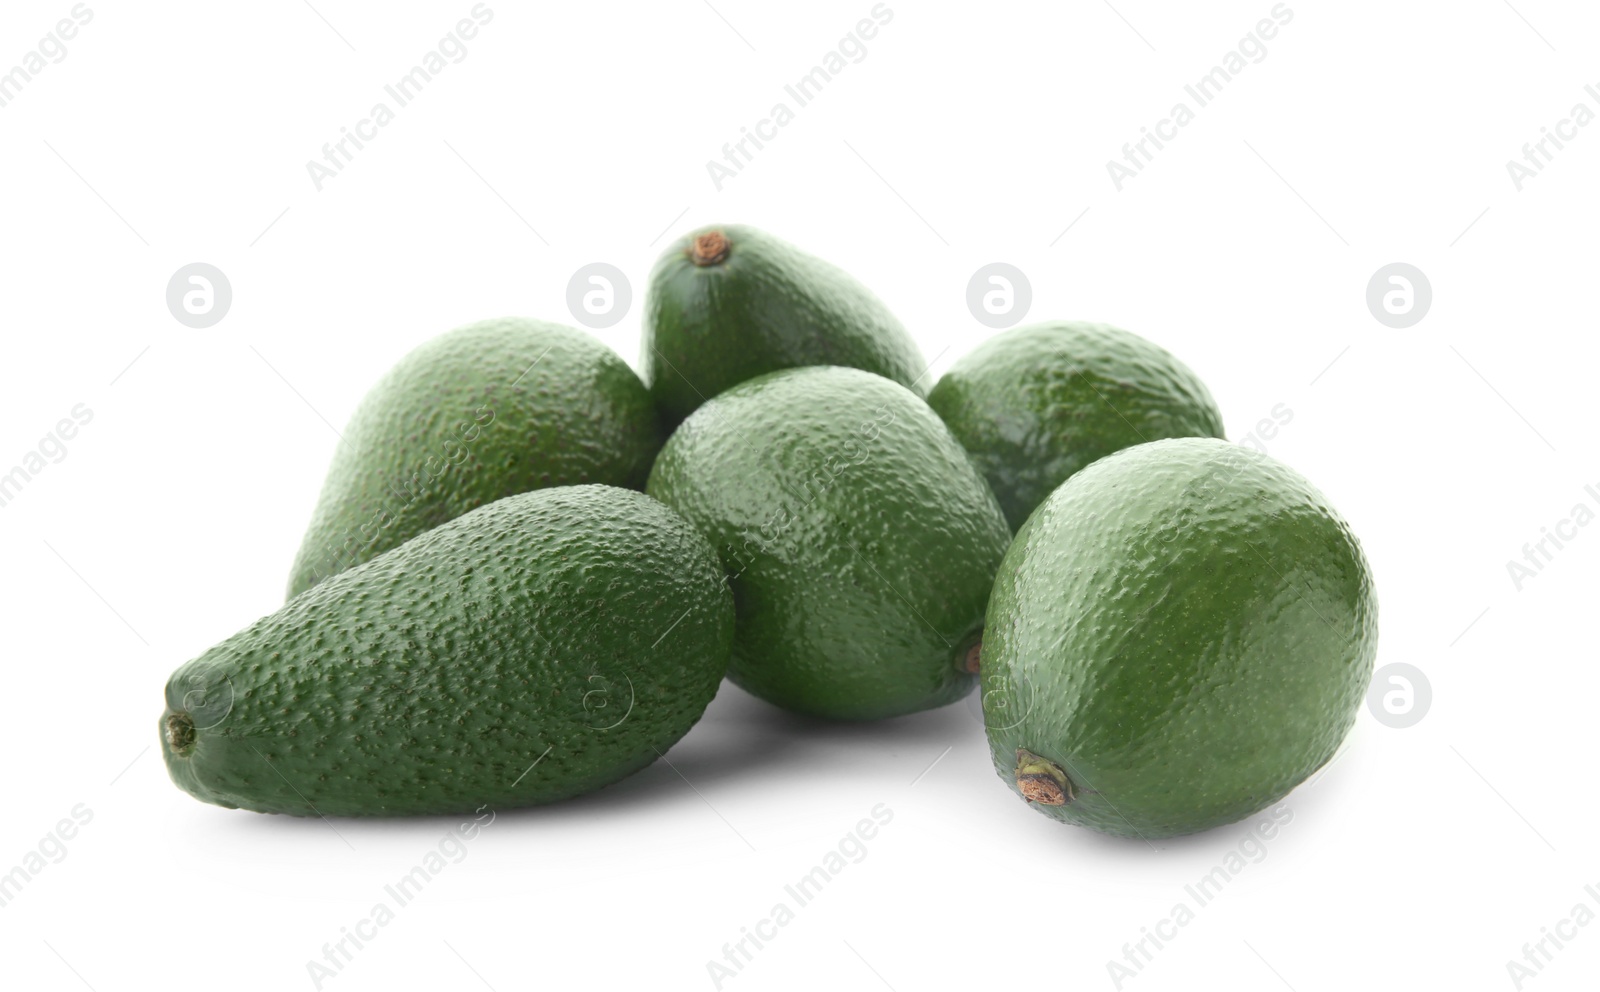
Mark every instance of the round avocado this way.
pixel 859 540
pixel 1181 634
pixel 1035 404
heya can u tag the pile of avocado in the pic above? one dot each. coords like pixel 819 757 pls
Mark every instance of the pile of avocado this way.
pixel 530 568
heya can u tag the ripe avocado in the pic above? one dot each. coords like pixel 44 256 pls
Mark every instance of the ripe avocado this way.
pixel 729 303
pixel 484 411
pixel 1179 635
pixel 860 541
pixel 537 648
pixel 1035 404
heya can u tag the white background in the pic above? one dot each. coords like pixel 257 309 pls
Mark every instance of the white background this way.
pixel 1371 133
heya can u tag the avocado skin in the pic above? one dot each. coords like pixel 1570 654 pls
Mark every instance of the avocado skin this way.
pixel 1186 628
pixel 766 306
pixel 485 411
pixel 859 540
pixel 587 624
pixel 1035 404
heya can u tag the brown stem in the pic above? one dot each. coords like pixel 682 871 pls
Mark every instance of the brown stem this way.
pixel 974 656
pixel 1042 781
pixel 179 730
pixel 709 248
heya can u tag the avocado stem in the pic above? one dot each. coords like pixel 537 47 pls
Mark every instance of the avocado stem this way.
pixel 179 730
pixel 709 248
pixel 1042 781
pixel 973 657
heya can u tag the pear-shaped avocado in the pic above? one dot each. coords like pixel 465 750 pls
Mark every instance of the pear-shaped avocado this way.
pixel 729 303
pixel 860 541
pixel 537 648
pixel 485 411
pixel 1179 635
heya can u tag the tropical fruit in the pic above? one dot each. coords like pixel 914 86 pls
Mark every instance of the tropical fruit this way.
pixel 533 649
pixel 1179 635
pixel 1035 404
pixel 729 303
pixel 484 411
pixel 860 541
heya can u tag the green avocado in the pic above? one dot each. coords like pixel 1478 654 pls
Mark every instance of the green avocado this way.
pixel 484 411
pixel 1035 404
pixel 729 303
pixel 860 541
pixel 537 648
pixel 1179 635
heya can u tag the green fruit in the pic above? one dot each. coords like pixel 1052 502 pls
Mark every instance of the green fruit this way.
pixel 1038 403
pixel 860 542
pixel 533 649
pixel 1180 635
pixel 729 303
pixel 485 411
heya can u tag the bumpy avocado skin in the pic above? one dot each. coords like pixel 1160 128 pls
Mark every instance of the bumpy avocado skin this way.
pixel 860 542
pixel 484 411
pixel 1035 404
pixel 534 649
pixel 1186 629
pixel 766 306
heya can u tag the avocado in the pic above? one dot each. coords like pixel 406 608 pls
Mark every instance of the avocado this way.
pixel 1179 635
pixel 533 649
pixel 484 411
pixel 859 540
pixel 729 303
pixel 1035 404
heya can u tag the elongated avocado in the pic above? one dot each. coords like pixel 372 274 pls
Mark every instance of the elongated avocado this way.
pixel 533 649
pixel 484 411
pixel 728 303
